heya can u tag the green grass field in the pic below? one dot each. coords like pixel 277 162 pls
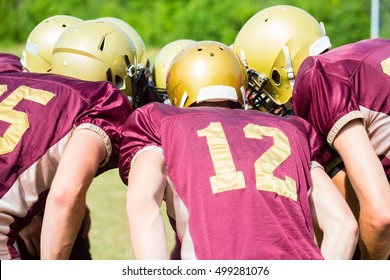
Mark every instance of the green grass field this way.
pixel 109 235
pixel 14 49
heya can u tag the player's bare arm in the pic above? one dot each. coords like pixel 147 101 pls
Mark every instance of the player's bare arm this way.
pixel 371 186
pixel 146 188
pixel 334 218
pixel 66 201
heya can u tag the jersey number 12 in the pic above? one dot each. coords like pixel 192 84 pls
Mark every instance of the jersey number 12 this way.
pixel 228 178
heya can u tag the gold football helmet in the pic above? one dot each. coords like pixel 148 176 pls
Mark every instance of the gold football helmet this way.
pixel 161 65
pixel 206 71
pixel 38 52
pixel 135 37
pixel 97 50
pixel 273 44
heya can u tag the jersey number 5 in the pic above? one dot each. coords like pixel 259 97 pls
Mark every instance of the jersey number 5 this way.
pixel 228 178
pixel 18 120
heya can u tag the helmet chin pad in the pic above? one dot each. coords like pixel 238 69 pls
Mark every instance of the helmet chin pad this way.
pixel 217 93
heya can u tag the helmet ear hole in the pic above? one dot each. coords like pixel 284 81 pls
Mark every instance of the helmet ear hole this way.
pixel 276 77
pixel 109 75
pixel 118 81
pixel 128 63
pixel 101 47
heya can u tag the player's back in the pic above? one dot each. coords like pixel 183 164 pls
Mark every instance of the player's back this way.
pixel 38 113
pixel 10 63
pixel 239 182
pixel 364 66
pixel 348 82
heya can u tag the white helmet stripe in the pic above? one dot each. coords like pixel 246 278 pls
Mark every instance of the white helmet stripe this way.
pixel 290 71
pixel 183 99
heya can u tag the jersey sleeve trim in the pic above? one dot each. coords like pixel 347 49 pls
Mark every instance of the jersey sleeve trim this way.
pixel 315 164
pixel 146 149
pixel 341 123
pixel 103 135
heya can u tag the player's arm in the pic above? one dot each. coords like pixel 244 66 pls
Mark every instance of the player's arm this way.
pixel 333 216
pixel 66 202
pixel 146 186
pixel 372 188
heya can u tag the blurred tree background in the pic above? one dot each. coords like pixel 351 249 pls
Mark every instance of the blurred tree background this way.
pixel 159 22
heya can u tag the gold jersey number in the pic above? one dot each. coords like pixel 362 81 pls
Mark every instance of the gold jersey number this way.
pixel 228 178
pixel 18 120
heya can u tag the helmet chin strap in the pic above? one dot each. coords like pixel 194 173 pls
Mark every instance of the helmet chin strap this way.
pixel 290 71
pixel 243 59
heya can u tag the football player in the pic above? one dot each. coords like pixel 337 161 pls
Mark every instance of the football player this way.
pixel 28 240
pixel 60 132
pixel 36 57
pixel 344 93
pixel 161 65
pixel 158 84
pixel 237 182
pixel 93 50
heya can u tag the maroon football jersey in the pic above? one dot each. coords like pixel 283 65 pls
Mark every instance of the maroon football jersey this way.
pixel 239 179
pixel 10 63
pixel 38 113
pixel 346 83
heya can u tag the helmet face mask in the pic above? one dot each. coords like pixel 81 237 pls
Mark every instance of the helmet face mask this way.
pixel 273 44
pixel 206 71
pixel 257 95
pixel 270 94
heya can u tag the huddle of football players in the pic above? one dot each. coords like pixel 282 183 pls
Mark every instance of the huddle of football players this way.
pixel 276 147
